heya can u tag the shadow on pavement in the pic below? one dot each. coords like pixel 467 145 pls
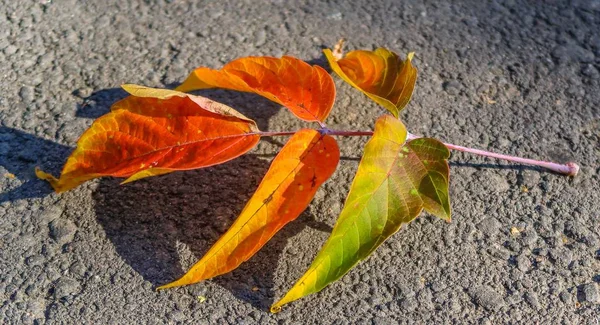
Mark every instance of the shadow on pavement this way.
pixel 155 221
pixel 516 167
pixel 20 153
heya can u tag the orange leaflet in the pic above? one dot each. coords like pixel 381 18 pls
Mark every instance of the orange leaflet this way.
pixel 304 163
pixel 154 132
pixel 379 74
pixel 308 91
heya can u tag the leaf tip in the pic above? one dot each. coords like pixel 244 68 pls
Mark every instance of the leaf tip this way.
pixel 130 88
pixel 448 218
pixel 410 56
pixel 275 309
pixel 192 82
pixel 54 182
pixel 173 284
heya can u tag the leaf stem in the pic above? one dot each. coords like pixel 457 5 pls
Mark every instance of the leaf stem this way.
pixel 275 134
pixel 570 169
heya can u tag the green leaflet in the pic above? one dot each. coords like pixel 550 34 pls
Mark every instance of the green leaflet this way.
pixel 394 182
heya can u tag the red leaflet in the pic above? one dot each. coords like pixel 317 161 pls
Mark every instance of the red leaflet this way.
pixel 155 133
pixel 308 91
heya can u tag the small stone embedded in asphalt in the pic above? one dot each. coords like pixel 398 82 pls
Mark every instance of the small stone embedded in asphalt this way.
pixel 576 230
pixel 523 262
pixel 27 94
pixel 34 260
pixel 260 38
pixel 529 178
pixel 486 297
pixel 590 71
pixel 62 230
pixel 562 256
pixel 489 226
pixel 409 303
pixel 65 287
pixel 499 253
pixel 49 214
pixel 452 87
pixel 572 52
pixel 566 297
pixel 555 286
pixel 532 299
pixel 529 237
pixel 589 293
pixel 83 92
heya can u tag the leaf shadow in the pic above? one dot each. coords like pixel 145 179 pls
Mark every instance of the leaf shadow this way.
pixel 154 222
pixel 20 153
pixel 517 167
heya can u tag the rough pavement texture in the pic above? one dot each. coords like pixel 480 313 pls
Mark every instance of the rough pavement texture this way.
pixel 519 77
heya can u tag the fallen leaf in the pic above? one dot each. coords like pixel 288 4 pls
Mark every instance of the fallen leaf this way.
pixel 379 74
pixel 9 175
pixel 395 181
pixel 308 91
pixel 154 132
pixel 306 161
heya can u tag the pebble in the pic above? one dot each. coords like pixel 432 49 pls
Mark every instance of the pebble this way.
pixel 523 263
pixel 49 214
pixel 529 178
pixel 409 304
pixel 576 231
pixel 532 299
pixel 62 230
pixel 555 286
pixel 452 87
pixel 425 299
pixel 260 38
pixel 78 269
pixel 65 287
pixel 27 94
pixel 566 297
pixel 529 237
pixel 589 293
pixel 499 253
pixel 34 260
pixel 572 52
pixel 486 297
pixel 84 92
pixel 10 50
pixel 489 226
pixel 590 71
pixel 561 256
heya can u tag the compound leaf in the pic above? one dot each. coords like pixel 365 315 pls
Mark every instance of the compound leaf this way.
pixel 395 181
pixel 305 162
pixel 154 132
pixel 379 74
pixel 308 91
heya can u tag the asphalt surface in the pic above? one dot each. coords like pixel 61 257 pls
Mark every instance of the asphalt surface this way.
pixel 516 77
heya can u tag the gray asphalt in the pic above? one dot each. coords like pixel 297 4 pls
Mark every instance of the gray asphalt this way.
pixel 517 77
